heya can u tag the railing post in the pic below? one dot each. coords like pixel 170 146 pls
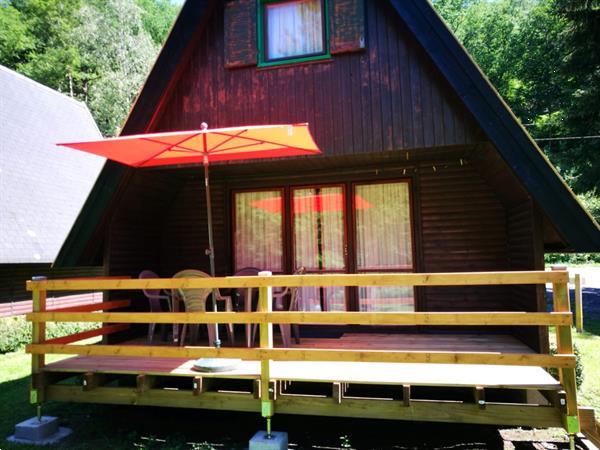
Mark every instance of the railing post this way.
pixel 564 344
pixel 38 335
pixel 578 304
pixel 265 304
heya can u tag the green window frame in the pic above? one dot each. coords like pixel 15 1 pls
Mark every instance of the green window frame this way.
pixel 263 61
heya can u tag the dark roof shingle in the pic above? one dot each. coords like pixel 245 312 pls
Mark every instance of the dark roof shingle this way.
pixel 42 187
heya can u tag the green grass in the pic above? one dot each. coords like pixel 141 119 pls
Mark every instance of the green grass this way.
pixel 589 348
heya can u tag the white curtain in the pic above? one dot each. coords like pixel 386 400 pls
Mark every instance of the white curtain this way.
pixel 383 233
pixel 384 242
pixel 318 215
pixel 258 230
pixel 294 28
pixel 319 228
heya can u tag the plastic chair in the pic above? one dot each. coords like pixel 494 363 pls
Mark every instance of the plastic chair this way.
pixel 195 301
pixel 155 300
pixel 279 305
pixel 245 298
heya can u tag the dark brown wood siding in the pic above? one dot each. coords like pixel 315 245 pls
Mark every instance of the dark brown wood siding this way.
pixel 136 228
pixel 14 276
pixel 388 97
pixel 185 234
pixel 526 252
pixel 463 229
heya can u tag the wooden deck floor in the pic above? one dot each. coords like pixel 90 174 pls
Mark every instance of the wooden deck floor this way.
pixel 449 375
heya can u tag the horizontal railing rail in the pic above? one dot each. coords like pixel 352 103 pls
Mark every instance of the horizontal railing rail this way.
pixel 561 319
pixel 312 280
pixel 322 318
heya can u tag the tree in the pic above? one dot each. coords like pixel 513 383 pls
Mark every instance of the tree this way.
pixel 15 39
pixel 118 52
pixel 581 71
pixel 98 51
pixel 158 17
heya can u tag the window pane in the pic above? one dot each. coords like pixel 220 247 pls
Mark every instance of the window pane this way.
pixel 258 230
pixel 319 228
pixel 294 28
pixel 383 233
pixel 386 298
pixel 330 298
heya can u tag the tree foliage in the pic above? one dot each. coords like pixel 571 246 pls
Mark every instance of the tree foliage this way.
pixel 543 56
pixel 98 51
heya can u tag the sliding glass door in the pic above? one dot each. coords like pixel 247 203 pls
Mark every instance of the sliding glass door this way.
pixel 316 222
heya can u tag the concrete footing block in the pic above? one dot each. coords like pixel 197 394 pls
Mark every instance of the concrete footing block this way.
pixel 277 441
pixel 41 431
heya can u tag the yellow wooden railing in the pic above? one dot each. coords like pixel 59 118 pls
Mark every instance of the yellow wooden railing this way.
pixel 561 318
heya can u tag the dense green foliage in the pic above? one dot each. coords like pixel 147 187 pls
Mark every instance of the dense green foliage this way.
pixel 543 57
pixel 15 332
pixel 98 51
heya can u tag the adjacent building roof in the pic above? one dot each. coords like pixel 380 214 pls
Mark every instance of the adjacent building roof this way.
pixel 576 227
pixel 42 187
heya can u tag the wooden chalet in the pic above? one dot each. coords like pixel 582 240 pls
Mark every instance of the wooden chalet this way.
pixel 425 268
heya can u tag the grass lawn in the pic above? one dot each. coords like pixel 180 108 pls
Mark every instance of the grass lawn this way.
pixel 589 349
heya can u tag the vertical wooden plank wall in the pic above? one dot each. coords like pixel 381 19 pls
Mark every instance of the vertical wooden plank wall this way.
pixel 385 106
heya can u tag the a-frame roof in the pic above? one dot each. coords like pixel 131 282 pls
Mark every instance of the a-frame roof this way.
pixel 42 188
pixel 577 228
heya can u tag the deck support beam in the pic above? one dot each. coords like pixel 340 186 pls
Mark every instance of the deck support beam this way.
pixel 434 411
pixel 267 388
pixel 406 395
pixel 479 393
pixel 38 335
pixel 564 344
pixel 337 392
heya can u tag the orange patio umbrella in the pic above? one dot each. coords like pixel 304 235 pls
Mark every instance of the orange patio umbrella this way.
pixel 204 146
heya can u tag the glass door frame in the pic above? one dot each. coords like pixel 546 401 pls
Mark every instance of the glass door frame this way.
pixel 350 256
pixel 284 256
pixel 345 214
pixel 353 231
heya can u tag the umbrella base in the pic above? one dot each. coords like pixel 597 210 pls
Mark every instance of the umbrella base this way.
pixel 216 364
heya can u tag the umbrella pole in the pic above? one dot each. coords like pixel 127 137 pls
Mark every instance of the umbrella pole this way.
pixel 212 364
pixel 211 248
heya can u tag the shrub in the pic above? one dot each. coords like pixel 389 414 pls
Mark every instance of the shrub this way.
pixel 15 331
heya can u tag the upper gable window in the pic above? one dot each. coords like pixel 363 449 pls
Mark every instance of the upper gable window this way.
pixel 292 31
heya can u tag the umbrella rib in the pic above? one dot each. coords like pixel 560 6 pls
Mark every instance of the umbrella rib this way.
pixel 169 147
pixel 230 137
pixel 236 147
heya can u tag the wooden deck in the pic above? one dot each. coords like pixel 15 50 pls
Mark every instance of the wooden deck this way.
pixel 469 378
pixel 448 375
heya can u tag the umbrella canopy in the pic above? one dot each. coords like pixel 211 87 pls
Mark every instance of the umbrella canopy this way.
pixel 204 145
